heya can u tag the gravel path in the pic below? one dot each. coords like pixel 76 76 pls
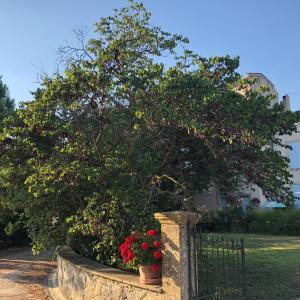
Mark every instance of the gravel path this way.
pixel 23 276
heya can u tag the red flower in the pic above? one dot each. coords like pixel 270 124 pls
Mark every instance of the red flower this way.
pixel 144 245
pixel 123 250
pixel 130 255
pixel 152 232
pixel 155 268
pixel 130 239
pixel 157 255
pixel 156 244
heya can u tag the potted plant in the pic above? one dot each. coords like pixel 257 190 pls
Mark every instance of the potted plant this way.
pixel 143 251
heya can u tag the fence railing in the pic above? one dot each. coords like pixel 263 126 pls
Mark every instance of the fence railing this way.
pixel 217 267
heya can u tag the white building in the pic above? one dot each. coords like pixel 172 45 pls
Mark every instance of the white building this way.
pixel 294 156
pixel 214 198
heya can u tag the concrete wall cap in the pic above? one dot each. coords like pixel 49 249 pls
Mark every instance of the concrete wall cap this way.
pixel 177 217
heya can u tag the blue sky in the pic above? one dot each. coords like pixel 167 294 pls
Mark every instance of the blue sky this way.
pixel 264 33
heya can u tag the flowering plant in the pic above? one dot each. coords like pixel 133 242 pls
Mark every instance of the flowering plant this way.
pixel 140 249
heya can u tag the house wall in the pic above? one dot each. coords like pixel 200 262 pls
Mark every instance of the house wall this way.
pixel 208 200
pixel 211 199
pixel 286 139
pixel 262 80
pixel 294 169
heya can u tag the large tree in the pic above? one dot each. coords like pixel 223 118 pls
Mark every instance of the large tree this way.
pixel 121 135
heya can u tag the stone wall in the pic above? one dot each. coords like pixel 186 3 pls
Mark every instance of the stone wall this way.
pixel 82 279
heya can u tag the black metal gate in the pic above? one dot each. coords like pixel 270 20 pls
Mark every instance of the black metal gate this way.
pixel 217 267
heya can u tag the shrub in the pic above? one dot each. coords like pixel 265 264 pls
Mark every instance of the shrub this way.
pixel 277 222
pixel 230 218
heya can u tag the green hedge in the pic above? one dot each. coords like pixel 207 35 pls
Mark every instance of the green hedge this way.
pixel 277 222
pixel 229 219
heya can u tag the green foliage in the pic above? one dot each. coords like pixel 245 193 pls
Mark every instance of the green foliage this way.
pixel 120 136
pixel 233 213
pixel 11 229
pixel 231 218
pixel 276 221
pixel 7 105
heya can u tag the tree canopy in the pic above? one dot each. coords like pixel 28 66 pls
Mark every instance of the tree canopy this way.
pixel 7 105
pixel 121 134
pixel 8 216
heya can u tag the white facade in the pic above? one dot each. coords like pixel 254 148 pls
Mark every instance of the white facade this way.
pixel 214 198
pixel 292 140
pixel 262 80
pixel 294 156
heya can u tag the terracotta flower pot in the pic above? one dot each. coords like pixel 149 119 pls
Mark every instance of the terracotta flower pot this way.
pixel 147 276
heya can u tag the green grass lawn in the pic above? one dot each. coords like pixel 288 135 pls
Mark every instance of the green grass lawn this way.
pixel 272 266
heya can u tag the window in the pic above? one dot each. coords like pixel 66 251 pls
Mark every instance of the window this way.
pixel 245 202
pixel 223 201
pixel 296 190
pixel 294 155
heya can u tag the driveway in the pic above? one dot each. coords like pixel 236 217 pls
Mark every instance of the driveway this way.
pixel 23 276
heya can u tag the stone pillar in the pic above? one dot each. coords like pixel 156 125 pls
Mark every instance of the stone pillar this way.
pixel 175 261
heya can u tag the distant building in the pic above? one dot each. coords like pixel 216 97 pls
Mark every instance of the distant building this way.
pixel 213 198
pixel 261 79
pixel 294 155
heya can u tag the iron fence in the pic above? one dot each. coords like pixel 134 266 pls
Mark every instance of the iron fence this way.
pixel 217 267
